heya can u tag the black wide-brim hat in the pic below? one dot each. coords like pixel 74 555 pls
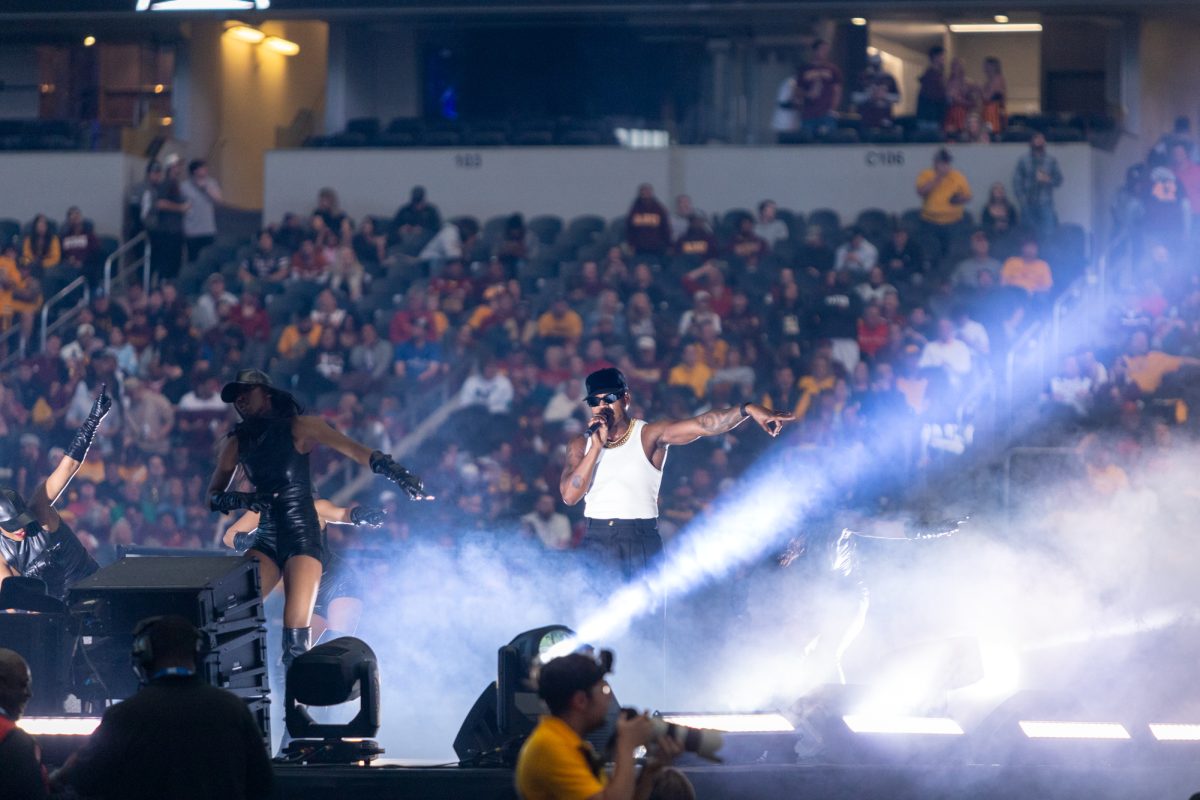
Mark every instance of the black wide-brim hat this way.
pixel 248 379
pixel 14 514
pixel 28 594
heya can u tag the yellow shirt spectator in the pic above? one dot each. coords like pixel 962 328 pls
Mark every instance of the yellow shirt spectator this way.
pixel 568 325
pixel 938 207
pixel 1032 275
pixel 553 764
pixel 693 372
pixel 289 338
pixel 1147 370
pixel 810 387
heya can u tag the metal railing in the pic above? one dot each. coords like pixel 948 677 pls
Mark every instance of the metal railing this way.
pixel 68 316
pixel 128 267
pixel 13 351
pixel 1029 344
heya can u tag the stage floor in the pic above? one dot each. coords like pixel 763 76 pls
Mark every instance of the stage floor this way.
pixel 773 782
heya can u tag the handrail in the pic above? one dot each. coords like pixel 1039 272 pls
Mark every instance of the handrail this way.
pixel 427 427
pixel 1010 361
pixel 1076 291
pixel 14 354
pixel 143 261
pixel 62 293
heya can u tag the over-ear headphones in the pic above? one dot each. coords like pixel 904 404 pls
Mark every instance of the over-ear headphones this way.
pixel 142 654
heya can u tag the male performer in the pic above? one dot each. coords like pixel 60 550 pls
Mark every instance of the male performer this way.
pixel 35 542
pixel 616 467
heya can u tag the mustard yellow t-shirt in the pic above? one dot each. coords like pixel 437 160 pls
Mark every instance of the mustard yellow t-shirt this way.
pixel 695 378
pixel 1032 276
pixel 553 764
pixel 937 208
pixel 1147 371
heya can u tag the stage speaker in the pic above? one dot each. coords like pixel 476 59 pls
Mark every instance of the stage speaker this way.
pixel 217 594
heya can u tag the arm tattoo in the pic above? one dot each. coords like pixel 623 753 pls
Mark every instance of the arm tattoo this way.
pixel 577 481
pixel 715 422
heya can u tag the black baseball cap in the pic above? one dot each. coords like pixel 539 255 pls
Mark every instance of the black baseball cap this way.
pixel 560 679
pixel 606 380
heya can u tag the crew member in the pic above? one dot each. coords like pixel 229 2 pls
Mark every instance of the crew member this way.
pixel 339 604
pixel 21 772
pixel 272 444
pixel 616 467
pixel 35 542
pixel 557 764
pixel 177 737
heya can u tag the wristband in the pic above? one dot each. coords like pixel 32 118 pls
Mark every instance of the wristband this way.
pixel 742 408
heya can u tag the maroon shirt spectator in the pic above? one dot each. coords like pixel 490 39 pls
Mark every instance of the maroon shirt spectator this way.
pixel 697 242
pixel 251 319
pixel 876 110
pixel 746 245
pixel 648 224
pixel 820 84
pixel 79 245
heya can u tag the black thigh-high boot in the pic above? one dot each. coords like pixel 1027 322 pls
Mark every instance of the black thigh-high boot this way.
pixel 295 643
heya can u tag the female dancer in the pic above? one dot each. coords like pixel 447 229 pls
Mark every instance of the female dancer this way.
pixel 35 542
pixel 271 444
pixel 339 598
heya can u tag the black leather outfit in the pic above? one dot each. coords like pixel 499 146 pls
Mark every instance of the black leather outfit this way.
pixel 338 579
pixel 290 527
pixel 58 558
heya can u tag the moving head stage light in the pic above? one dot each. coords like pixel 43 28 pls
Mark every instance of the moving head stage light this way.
pixel 336 672
pixel 508 709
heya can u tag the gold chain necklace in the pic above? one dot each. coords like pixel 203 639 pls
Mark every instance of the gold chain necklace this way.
pixel 624 438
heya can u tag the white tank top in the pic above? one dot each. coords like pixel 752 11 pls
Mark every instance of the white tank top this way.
pixel 625 484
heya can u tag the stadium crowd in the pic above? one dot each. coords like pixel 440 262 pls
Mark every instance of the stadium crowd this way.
pixel 883 326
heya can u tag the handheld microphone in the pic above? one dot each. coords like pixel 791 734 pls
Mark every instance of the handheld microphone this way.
pixel 595 426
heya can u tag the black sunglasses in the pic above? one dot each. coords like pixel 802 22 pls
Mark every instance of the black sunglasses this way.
pixel 609 398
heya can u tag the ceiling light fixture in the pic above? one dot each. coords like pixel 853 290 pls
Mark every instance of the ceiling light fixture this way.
pixel 88 41
pixel 1001 18
pixel 283 46
pixel 859 21
pixel 993 27
pixel 202 5
pixel 245 33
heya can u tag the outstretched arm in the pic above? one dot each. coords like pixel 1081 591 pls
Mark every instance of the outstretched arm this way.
pixel 716 422
pixel 48 492
pixel 359 516
pixel 312 431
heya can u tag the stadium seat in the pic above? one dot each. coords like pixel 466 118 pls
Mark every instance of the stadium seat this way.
pixel 547 228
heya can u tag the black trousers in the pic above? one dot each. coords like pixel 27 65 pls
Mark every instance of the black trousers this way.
pixel 622 551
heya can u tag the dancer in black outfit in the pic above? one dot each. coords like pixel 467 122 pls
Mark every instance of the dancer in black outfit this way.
pixel 35 542
pixel 340 597
pixel 271 444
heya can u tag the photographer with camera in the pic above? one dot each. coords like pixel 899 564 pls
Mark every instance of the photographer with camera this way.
pixel 557 764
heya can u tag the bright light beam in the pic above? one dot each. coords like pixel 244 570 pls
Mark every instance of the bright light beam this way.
pixel 58 726
pixel 1175 731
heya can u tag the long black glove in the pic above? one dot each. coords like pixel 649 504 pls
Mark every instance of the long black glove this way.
pixel 233 501
pixel 243 541
pixel 87 431
pixel 385 465
pixel 367 517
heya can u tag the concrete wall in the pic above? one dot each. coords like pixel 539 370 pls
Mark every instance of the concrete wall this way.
pixel 568 182
pixel 52 182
